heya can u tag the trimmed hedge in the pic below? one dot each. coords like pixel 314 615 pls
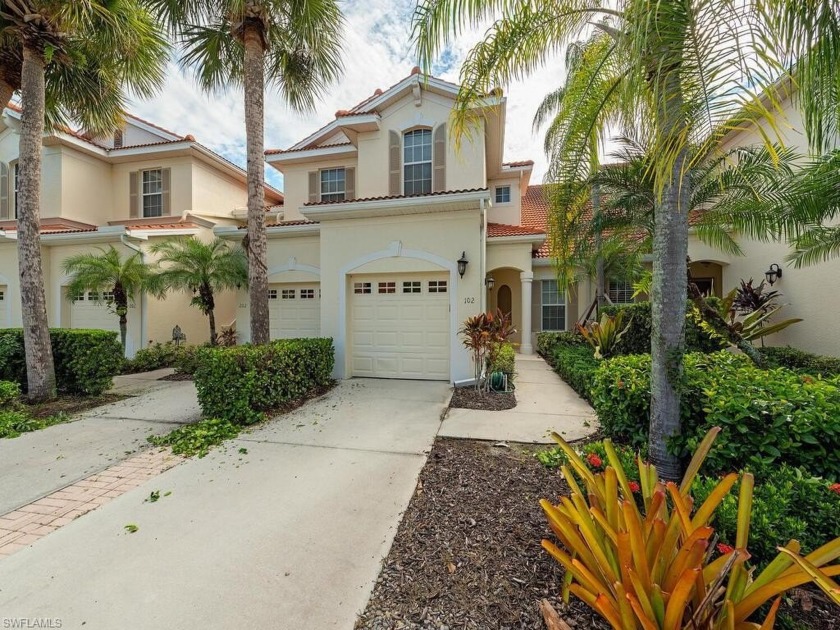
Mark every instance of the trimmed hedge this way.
pixel 162 355
pixel 86 361
pixel 768 417
pixel 572 359
pixel 801 361
pixel 548 341
pixel 242 383
pixel 636 339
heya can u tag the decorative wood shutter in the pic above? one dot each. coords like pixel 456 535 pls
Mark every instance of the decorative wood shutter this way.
pixel 166 187
pixel 313 187
pixel 349 184
pixel 4 191
pixel 439 159
pixel 134 194
pixel 394 163
pixel 536 306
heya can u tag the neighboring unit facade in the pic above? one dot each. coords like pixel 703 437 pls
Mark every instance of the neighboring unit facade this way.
pixel 135 189
pixel 381 204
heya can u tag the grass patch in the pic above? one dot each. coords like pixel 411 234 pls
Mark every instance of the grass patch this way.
pixel 198 438
pixel 13 423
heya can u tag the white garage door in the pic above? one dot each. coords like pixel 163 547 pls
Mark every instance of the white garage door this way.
pixel 90 310
pixel 400 326
pixel 294 310
pixel 4 306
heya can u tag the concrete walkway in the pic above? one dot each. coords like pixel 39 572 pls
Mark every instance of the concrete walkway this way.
pixel 288 534
pixel 38 463
pixel 545 403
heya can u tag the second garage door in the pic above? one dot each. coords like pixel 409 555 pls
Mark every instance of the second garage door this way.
pixel 91 310
pixel 399 326
pixel 294 310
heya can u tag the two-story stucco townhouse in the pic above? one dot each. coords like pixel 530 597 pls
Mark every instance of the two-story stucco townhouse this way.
pixel 392 231
pixel 132 190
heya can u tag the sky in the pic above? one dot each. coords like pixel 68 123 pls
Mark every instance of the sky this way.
pixel 378 53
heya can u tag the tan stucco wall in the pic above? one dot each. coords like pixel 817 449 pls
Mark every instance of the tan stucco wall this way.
pixel 215 194
pixel 85 184
pixel 507 213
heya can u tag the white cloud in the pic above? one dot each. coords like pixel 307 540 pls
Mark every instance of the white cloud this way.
pixel 377 54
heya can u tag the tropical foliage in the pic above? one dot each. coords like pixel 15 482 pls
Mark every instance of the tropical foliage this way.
pixel 108 272
pixel 293 47
pixel 483 336
pixel 650 562
pixel 203 269
pixel 605 335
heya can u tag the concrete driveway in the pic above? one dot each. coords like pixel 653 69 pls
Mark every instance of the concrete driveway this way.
pixel 289 535
pixel 41 462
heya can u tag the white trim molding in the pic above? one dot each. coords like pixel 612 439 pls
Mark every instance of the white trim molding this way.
pixel 7 298
pixel 395 250
pixel 293 265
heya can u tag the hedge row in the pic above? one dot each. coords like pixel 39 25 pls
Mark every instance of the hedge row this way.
pixel 162 355
pixel 801 361
pixel 242 383
pixel 636 339
pixel 86 361
pixel 572 359
pixel 768 417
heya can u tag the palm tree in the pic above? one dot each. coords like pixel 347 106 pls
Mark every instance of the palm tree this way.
pixel 687 70
pixel 88 50
pixel 108 272
pixel 293 45
pixel 203 269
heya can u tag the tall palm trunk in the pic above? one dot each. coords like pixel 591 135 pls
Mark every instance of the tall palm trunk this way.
pixel 254 131
pixel 600 279
pixel 121 302
pixel 211 316
pixel 40 369
pixel 669 292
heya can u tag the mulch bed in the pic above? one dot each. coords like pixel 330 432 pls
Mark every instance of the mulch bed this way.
pixel 467 554
pixel 469 398
pixel 70 404
pixel 177 376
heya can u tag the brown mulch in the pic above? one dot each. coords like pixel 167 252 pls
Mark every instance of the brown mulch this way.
pixel 177 376
pixel 467 554
pixel 70 404
pixel 469 398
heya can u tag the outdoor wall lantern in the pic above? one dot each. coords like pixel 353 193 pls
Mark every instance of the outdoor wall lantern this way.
pixel 489 282
pixel 462 264
pixel 773 274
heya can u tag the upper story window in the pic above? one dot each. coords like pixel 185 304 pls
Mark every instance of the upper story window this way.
pixel 153 193
pixel 15 186
pixel 333 184
pixel 502 194
pixel 417 162
pixel 620 292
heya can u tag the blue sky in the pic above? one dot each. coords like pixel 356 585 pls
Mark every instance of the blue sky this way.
pixel 377 53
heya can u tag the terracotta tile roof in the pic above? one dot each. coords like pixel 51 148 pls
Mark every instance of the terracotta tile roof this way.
pixel 158 127
pixel 178 225
pixel 499 230
pixel 389 197
pixel 308 147
pixel 535 208
pixel 518 164
pixel 54 226
pixel 285 224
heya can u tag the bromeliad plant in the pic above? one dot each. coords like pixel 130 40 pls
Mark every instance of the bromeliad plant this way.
pixel 603 336
pixel 655 565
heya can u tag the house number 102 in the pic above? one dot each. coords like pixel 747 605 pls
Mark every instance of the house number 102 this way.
pixel 469 300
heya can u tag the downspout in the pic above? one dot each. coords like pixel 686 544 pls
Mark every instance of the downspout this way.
pixel 482 258
pixel 143 307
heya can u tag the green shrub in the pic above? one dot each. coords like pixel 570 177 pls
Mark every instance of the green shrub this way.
pixel 198 438
pixel 9 393
pixel 576 365
pixel 636 339
pixel 787 504
pixel 13 422
pixel 241 384
pixel 547 341
pixel 162 355
pixel 504 360
pixel 767 417
pixel 801 361
pixel 186 360
pixel 85 360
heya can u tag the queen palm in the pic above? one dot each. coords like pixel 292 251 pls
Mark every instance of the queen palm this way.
pixel 203 269
pixel 293 46
pixel 86 52
pixel 687 70
pixel 108 272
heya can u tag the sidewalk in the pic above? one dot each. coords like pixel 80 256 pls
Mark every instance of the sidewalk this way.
pixel 545 403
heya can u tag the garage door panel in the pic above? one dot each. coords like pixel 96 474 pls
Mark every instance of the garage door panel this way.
pixel 4 306
pixel 291 313
pixel 404 334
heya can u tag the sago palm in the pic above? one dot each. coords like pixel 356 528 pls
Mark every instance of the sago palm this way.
pixel 108 271
pixel 202 269
pixel 689 70
pixel 90 50
pixel 291 45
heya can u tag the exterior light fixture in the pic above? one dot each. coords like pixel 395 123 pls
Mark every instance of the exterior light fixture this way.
pixel 462 264
pixel 773 274
pixel 489 282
